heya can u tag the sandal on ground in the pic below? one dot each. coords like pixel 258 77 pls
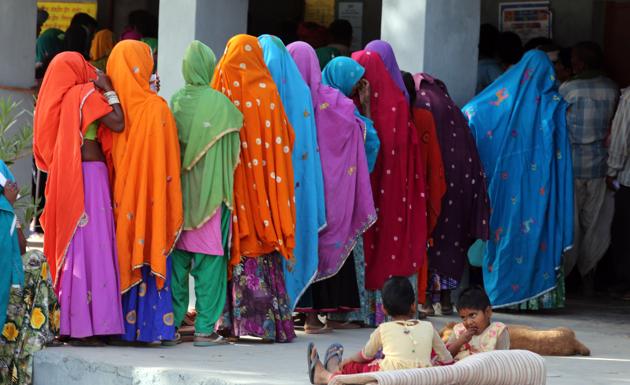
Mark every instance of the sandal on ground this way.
pixel 322 330
pixel 427 310
pixel 312 364
pixel 212 340
pixel 174 342
pixel 334 350
pixel 186 330
pixel 446 310
pixel 86 342
pixel 57 341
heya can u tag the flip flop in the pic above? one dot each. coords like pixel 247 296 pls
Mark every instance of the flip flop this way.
pixel 311 364
pixel 334 350
pixel 176 341
pixel 209 341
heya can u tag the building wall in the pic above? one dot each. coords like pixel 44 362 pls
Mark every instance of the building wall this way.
pixel 439 37
pixel 574 20
pixel 450 50
pixel 182 21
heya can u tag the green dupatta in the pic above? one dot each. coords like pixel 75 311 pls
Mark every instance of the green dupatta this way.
pixel 208 125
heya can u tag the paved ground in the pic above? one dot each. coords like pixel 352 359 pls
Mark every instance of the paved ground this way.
pixel 603 325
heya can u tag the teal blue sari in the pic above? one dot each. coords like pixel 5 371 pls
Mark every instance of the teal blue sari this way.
pixel 520 129
pixel 11 271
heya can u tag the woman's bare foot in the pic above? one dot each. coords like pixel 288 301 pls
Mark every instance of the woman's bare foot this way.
pixel 322 376
pixel 312 325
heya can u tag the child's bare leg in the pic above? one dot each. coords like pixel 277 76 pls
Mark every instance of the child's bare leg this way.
pixel 322 376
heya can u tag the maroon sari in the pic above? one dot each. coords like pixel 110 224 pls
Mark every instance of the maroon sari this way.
pixel 396 244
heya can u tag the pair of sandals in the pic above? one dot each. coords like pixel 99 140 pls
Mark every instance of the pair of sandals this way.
pixel 334 350
pixel 200 341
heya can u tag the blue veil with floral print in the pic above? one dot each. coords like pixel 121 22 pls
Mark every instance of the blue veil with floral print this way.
pixel 520 129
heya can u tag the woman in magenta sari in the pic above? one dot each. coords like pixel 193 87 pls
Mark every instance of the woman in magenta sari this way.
pixel 349 204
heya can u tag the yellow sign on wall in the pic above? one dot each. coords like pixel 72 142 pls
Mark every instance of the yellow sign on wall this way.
pixel 60 13
pixel 321 12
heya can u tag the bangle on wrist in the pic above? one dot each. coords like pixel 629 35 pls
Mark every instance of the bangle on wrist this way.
pixel 112 97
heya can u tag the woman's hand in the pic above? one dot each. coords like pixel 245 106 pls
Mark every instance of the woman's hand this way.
pixel 155 83
pixel 11 192
pixel 103 82
pixel 364 92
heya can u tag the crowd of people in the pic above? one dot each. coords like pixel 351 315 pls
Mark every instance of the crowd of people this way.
pixel 289 182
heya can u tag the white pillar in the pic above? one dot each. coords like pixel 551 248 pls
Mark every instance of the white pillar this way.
pixel 439 37
pixel 182 21
pixel 17 66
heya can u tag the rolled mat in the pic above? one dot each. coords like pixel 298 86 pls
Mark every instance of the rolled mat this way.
pixel 501 367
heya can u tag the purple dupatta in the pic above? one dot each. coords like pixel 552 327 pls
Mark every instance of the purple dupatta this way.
pixel 386 52
pixel 348 193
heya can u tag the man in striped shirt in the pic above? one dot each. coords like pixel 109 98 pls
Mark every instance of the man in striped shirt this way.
pixel 592 99
pixel 619 180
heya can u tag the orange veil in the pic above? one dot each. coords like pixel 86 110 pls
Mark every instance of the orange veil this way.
pixel 67 103
pixel 147 189
pixel 264 216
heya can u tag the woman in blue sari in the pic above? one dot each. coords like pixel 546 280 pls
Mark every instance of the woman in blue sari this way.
pixel 307 169
pixel 11 271
pixel 520 129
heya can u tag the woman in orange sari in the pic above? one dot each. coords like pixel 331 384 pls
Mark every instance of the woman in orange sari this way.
pixel 264 199
pixel 147 195
pixel 80 239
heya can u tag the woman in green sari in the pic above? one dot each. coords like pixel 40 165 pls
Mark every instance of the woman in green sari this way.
pixel 29 315
pixel 208 125
pixel 11 272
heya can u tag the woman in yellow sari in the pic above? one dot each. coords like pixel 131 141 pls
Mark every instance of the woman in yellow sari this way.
pixel 147 195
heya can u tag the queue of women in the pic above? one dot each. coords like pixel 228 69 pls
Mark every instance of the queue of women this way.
pixel 283 187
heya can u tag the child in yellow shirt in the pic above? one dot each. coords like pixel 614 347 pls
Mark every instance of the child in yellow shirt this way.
pixel 406 342
pixel 476 333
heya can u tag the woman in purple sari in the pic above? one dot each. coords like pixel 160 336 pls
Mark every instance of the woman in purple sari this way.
pixel 348 193
pixel 465 207
pixel 386 52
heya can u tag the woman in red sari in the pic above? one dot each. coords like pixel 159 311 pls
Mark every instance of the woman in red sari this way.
pixel 396 244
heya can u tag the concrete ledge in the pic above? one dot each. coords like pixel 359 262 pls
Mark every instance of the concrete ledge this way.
pixel 602 326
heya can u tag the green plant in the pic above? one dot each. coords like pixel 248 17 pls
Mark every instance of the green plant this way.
pixel 16 142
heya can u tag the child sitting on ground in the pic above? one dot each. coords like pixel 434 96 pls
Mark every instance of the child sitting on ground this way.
pixel 476 334
pixel 406 342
